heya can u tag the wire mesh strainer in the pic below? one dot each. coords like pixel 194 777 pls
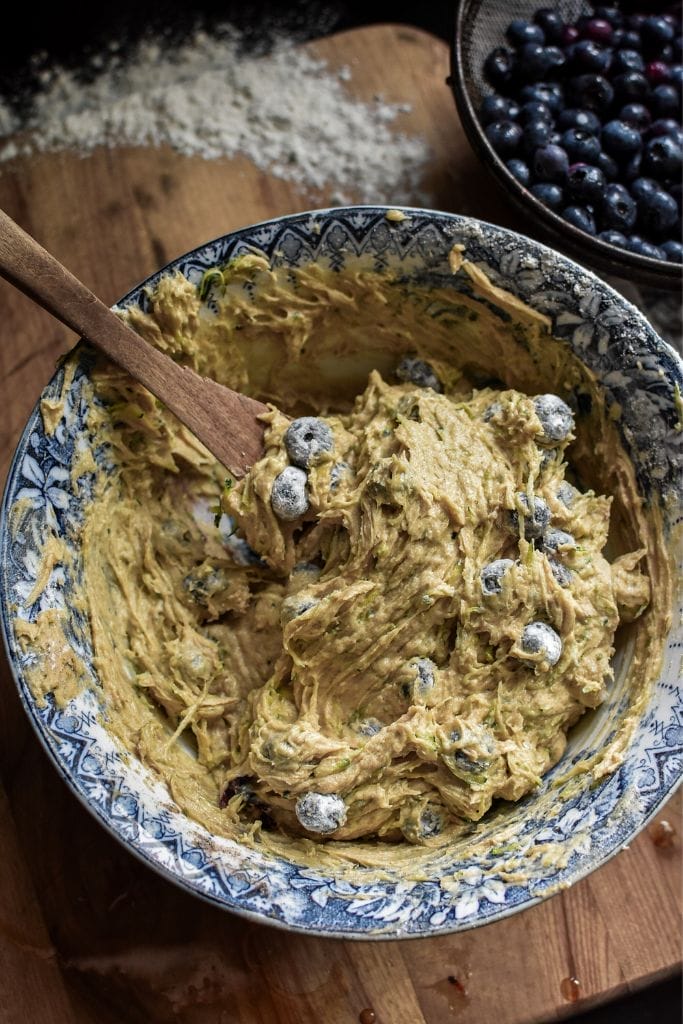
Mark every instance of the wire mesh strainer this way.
pixel 479 28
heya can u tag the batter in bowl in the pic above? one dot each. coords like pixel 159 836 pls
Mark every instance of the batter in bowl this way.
pixel 394 619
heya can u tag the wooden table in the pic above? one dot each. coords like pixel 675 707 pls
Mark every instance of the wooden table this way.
pixel 87 933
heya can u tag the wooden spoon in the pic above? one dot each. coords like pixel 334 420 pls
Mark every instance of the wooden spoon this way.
pixel 223 420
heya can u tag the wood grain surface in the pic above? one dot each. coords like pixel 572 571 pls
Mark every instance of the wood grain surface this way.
pixel 87 933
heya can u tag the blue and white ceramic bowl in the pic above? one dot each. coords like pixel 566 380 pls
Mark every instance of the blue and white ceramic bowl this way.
pixel 581 828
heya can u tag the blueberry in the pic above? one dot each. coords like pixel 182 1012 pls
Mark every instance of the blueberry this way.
pixel 288 496
pixel 430 823
pixel 613 238
pixel 562 574
pixel 617 210
pixel 630 169
pixel 535 135
pixel 321 812
pixel 499 67
pixel 551 163
pixel 306 439
pixel 627 60
pixel 580 145
pixel 676 191
pixel 555 61
pixel 549 93
pixel 241 552
pixel 588 56
pixel 555 417
pixel 598 30
pixel 657 213
pixel 369 727
pixel 580 217
pixel 558 540
pixel 593 92
pixel 666 126
pixel 530 112
pixel 620 139
pixel 641 187
pixel 567 494
pixel 610 14
pixel 607 165
pixel 657 72
pixel 505 137
pixel 535 524
pixel 423 672
pixel 570 117
pixel 665 101
pixel 337 474
pixel 550 195
pixel 550 20
pixel 636 114
pixel 492 576
pixel 294 606
pixel 630 87
pixel 630 41
pixel 494 108
pixel 641 247
pixel 519 170
pixel 676 75
pixel 539 638
pixel 662 158
pixel 673 251
pixel 520 32
pixel 656 32
pixel 494 409
pixel 585 184
pixel 533 62
pixel 418 372
pixel 570 34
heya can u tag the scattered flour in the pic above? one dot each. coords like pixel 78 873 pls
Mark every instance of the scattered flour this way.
pixel 286 111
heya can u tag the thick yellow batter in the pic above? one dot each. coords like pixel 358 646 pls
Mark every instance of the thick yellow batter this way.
pixel 358 669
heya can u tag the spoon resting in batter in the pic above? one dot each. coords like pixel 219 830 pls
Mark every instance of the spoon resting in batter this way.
pixel 224 420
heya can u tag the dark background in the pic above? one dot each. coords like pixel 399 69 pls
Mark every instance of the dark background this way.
pixel 68 33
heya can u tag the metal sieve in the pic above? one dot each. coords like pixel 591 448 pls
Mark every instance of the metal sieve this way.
pixel 479 28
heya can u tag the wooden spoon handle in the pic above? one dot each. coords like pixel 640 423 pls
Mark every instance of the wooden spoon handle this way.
pixel 223 420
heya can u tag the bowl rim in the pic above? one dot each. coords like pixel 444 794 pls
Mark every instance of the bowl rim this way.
pixel 607 258
pixel 30 706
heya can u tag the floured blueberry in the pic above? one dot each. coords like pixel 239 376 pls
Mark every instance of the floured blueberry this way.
pixel 296 605
pixel 369 726
pixel 536 521
pixel 424 670
pixel 337 474
pixel 492 576
pixel 418 372
pixel 306 439
pixel 288 497
pixel 558 540
pixel 321 812
pixel 566 493
pixel 492 410
pixel 555 416
pixel 562 574
pixel 539 638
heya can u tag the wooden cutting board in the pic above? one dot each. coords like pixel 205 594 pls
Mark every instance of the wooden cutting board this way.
pixel 90 935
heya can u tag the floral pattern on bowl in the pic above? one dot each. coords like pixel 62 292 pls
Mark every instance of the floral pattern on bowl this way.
pixel 575 827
